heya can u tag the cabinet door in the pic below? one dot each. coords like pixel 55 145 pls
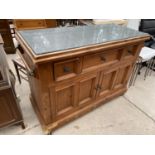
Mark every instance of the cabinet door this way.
pixel 7 114
pixel 87 88
pixel 106 82
pixel 123 76
pixel 65 99
pixel 69 96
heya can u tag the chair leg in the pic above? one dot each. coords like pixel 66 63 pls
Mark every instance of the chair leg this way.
pixel 136 73
pixel 150 67
pixel 133 75
pixel 18 75
pixel 147 69
pixel 141 66
pixel 23 125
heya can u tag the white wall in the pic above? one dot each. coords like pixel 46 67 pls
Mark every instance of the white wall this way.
pixel 133 23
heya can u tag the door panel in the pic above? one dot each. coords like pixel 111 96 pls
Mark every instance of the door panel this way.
pixel 122 76
pixel 69 96
pixel 87 88
pixel 6 112
pixel 106 83
pixel 65 98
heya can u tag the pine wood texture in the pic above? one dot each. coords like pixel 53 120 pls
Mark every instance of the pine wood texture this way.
pixel 23 24
pixel 9 109
pixel 5 32
pixel 68 84
pixel 10 112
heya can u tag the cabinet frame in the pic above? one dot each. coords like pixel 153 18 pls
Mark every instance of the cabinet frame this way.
pixel 46 85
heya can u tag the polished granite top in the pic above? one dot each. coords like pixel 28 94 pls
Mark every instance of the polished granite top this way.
pixel 50 40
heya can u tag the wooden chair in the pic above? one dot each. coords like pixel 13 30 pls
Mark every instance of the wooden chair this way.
pixel 146 55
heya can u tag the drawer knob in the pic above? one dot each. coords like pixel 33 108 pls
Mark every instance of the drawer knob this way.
pixel 103 58
pixel 66 69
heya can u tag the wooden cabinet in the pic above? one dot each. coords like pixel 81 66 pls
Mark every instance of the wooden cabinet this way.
pixel 22 24
pixel 7 37
pixel 68 83
pixel 10 112
pixel 7 116
pixel 9 109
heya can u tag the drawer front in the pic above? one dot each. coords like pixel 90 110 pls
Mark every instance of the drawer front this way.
pixel 130 51
pixel 27 24
pixel 102 58
pixel 66 69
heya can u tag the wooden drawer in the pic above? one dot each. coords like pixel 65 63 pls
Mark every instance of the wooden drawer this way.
pixel 102 58
pixel 28 24
pixel 130 51
pixel 66 69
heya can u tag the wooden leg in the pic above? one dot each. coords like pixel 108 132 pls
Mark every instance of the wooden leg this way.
pixel 22 125
pixel 17 71
pixel 50 133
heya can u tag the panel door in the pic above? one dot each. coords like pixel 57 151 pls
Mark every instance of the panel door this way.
pixel 106 82
pixel 7 114
pixel 87 88
pixel 69 96
pixel 123 76
pixel 65 99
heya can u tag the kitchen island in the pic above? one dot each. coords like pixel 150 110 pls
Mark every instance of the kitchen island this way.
pixel 73 70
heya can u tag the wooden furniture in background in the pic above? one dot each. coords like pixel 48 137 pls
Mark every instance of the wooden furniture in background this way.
pixel 21 24
pixel 110 21
pixel 7 36
pixel 70 79
pixel 102 21
pixel 10 112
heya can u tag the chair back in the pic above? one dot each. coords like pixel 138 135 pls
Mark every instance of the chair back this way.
pixel 148 26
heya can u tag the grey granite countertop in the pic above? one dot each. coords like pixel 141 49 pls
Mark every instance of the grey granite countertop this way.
pixel 48 40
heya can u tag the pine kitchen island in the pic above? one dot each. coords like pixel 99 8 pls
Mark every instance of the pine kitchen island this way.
pixel 73 70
